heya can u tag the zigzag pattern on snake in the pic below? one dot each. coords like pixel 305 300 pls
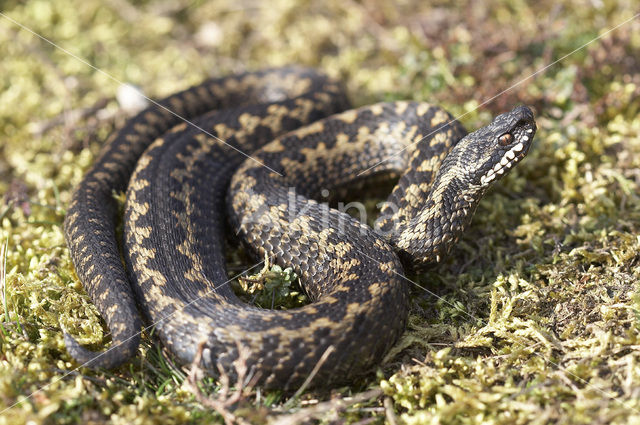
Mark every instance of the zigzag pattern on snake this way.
pixel 182 183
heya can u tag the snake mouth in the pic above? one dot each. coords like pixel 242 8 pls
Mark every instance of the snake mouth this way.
pixel 510 158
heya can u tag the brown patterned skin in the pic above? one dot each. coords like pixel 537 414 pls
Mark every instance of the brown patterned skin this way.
pixel 175 222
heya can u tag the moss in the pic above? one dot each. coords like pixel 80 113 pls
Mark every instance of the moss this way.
pixel 271 288
pixel 533 318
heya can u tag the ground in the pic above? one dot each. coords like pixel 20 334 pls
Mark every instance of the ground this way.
pixel 533 318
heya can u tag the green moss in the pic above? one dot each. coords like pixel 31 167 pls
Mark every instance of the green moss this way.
pixel 535 314
pixel 271 288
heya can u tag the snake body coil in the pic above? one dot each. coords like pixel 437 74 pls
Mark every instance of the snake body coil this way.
pixel 180 185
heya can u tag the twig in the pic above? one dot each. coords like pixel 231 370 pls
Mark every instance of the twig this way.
pixel 226 398
pixel 313 373
pixel 68 118
pixel 389 412
pixel 366 421
pixel 321 409
pixel 262 274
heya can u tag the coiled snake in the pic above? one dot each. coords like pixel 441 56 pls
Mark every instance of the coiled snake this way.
pixel 179 183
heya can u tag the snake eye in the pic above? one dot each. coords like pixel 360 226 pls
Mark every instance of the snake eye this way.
pixel 505 139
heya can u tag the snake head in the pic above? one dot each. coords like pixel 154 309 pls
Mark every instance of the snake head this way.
pixel 490 152
pixel 476 161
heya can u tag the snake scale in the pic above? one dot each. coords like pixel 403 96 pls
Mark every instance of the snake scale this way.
pixel 256 153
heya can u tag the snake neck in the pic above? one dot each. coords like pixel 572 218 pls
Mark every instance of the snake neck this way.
pixel 425 231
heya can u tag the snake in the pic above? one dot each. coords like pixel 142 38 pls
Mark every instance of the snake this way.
pixel 249 157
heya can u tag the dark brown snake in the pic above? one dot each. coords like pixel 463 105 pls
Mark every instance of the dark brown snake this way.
pixel 181 186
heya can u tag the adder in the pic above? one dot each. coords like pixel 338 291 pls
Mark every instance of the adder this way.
pixel 258 148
